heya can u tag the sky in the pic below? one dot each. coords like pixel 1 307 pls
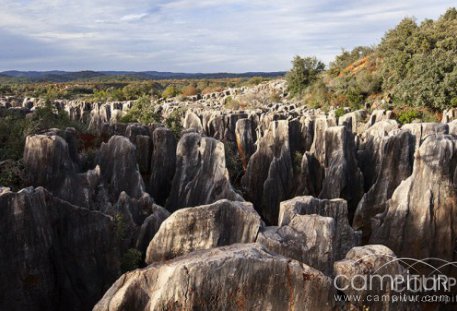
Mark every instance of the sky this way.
pixel 192 35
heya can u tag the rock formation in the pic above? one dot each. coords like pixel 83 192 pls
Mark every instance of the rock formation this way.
pixel 237 277
pixel 307 238
pixel 269 173
pixel 420 219
pixel 163 164
pixel 396 166
pixel 55 256
pixel 221 223
pixel 201 176
pixel 345 237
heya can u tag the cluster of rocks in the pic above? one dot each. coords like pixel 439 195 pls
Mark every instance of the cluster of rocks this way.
pixel 320 197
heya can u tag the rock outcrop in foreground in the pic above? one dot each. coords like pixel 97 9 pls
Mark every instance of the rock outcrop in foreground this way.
pixel 54 255
pixel 237 277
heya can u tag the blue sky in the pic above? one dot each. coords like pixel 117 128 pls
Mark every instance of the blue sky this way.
pixel 192 35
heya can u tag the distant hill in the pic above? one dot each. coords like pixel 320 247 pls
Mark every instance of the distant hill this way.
pixel 66 76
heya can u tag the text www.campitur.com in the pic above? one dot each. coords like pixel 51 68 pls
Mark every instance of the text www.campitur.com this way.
pixel 397 298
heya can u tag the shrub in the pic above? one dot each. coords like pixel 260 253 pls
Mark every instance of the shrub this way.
pixel 170 91
pixel 409 116
pixel 12 174
pixel 189 91
pixel 174 122
pixel 131 260
pixel 231 103
pixel 339 112
pixel 303 73
pixel 142 111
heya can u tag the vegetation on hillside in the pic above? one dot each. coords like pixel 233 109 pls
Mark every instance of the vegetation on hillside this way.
pixel 414 68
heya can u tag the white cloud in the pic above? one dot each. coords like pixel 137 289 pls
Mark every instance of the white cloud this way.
pixel 194 36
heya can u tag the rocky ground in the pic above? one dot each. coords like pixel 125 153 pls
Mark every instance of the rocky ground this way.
pixel 319 195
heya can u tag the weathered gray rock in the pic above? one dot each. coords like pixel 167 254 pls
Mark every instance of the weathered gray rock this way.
pixel 378 116
pixel 163 164
pixel 306 238
pixel 318 146
pixel 245 140
pixel 201 175
pixel 422 130
pixel 221 223
pixel 192 121
pixel 47 161
pixel 361 263
pixel 139 136
pixel 370 150
pixel 343 178
pixel 345 236
pixel 354 121
pixel 396 166
pixel 150 227
pixel 420 219
pixel 269 175
pixel 54 255
pixel 237 277
pixel 119 169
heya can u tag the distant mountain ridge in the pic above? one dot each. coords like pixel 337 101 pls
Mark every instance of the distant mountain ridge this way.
pixel 67 76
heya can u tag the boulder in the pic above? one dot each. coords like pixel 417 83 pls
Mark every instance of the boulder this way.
pixel 201 175
pixel 366 273
pixel 221 223
pixel 345 236
pixel 306 238
pixel 237 277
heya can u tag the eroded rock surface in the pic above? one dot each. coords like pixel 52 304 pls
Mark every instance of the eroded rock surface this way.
pixel 221 223
pixel 242 276
pixel 345 236
pixel 54 255
pixel 420 219
pixel 201 175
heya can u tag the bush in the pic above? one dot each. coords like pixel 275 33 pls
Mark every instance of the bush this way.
pixel 174 122
pixel 339 112
pixel 231 103
pixel 142 111
pixel 131 260
pixel 170 91
pixel 189 91
pixel 409 116
pixel 303 73
pixel 12 174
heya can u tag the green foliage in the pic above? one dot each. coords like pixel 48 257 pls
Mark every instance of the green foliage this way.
pixel 346 58
pixel 174 122
pixel 303 73
pixel 142 111
pixel 170 91
pixel 131 260
pixel 14 128
pixel 233 163
pixel 420 62
pixel 339 112
pixel 297 159
pixel 120 227
pixel 408 116
pixel 12 174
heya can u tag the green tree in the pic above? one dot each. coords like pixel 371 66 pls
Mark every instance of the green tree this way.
pixel 303 73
